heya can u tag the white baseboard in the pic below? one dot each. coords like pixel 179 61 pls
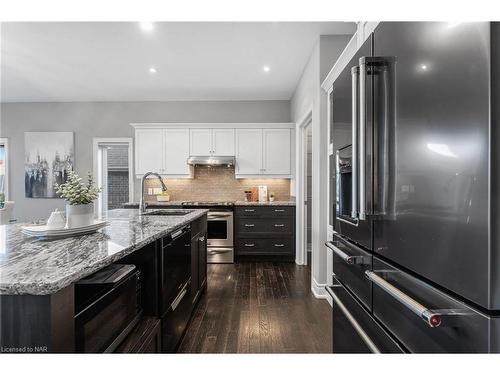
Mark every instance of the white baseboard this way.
pixel 318 290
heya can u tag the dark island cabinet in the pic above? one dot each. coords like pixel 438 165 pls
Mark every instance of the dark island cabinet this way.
pixel 265 232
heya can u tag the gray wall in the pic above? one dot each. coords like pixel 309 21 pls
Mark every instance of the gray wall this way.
pixel 109 119
pixel 309 96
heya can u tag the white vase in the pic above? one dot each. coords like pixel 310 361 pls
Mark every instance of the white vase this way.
pixel 79 215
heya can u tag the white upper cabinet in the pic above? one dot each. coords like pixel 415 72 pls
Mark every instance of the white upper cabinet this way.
pixel 176 152
pixel 223 142
pixel 277 151
pixel 249 151
pixel 261 150
pixel 201 142
pixel 216 142
pixel 148 150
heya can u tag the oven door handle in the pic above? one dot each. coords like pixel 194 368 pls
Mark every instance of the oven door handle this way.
pixel 218 251
pixel 218 216
pixel 179 297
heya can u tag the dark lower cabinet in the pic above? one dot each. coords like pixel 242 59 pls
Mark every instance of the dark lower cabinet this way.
pixel 145 338
pixel 265 232
pixel 175 321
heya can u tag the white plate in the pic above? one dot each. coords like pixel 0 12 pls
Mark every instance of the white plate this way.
pixel 43 231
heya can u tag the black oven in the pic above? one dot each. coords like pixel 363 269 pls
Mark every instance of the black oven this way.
pixel 107 307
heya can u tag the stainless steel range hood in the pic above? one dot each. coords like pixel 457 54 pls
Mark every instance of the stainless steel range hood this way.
pixel 211 160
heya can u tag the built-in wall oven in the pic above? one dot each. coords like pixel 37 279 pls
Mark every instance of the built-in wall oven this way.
pixel 220 230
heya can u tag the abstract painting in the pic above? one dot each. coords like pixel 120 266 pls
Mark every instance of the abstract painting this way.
pixel 49 156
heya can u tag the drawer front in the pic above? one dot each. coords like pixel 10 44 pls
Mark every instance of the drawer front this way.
pixel 255 246
pixel 354 329
pixel 349 265
pixel 398 301
pixel 257 225
pixel 266 211
pixel 220 255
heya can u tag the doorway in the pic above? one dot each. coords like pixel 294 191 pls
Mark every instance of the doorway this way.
pixel 113 172
pixel 308 191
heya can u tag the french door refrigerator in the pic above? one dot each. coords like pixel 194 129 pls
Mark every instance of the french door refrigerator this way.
pixel 416 248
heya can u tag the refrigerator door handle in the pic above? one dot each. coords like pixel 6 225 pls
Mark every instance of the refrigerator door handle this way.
pixel 355 160
pixel 433 317
pixel 363 72
pixel 349 259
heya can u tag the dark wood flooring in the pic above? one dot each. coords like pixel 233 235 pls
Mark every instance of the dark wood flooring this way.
pixel 259 308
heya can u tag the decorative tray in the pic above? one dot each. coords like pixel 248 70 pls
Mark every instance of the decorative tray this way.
pixel 43 231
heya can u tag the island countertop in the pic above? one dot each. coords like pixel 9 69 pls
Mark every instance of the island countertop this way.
pixel 38 267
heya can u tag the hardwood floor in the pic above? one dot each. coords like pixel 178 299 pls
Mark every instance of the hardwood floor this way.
pixel 259 308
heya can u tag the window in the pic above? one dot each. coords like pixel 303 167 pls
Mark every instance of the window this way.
pixel 113 172
pixel 4 145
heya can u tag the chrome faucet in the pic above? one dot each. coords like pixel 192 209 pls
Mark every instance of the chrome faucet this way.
pixel 142 203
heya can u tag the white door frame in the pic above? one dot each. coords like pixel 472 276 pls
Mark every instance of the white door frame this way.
pixel 95 153
pixel 301 212
pixel 5 143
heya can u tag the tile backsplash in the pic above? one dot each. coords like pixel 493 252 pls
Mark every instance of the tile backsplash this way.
pixel 217 184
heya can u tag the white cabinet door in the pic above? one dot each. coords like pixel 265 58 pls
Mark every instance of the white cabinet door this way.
pixel 277 152
pixel 249 151
pixel 148 151
pixel 201 142
pixel 176 151
pixel 223 142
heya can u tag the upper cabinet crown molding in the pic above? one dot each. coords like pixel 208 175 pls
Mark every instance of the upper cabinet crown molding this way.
pixel 214 125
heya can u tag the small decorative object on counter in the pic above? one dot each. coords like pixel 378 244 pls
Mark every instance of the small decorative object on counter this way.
pixel 163 197
pixel 80 199
pixel 56 220
pixel 262 193
pixel 248 195
pixel 255 194
pixel 271 196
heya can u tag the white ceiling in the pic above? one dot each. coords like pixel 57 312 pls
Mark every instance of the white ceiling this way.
pixel 110 61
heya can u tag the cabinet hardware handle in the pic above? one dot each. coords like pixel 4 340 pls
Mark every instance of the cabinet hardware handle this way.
pixel 179 297
pixel 202 239
pixel 279 210
pixel 248 210
pixel 249 225
pixel 249 244
pixel 279 245
pixel 279 225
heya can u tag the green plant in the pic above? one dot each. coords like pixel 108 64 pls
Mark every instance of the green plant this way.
pixel 77 192
pixel 2 200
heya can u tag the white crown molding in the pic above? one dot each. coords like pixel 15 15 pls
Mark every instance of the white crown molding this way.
pixel 212 125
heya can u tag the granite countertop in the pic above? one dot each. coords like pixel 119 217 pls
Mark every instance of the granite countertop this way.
pixel 275 203
pixel 153 204
pixel 237 203
pixel 33 266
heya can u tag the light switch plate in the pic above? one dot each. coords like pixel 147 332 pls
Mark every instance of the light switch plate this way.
pixel 150 191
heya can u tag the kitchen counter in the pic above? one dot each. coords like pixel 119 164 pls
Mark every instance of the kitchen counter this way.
pixel 40 267
pixel 275 203
pixel 153 204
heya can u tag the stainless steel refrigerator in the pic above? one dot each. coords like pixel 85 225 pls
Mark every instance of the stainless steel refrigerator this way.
pixel 415 129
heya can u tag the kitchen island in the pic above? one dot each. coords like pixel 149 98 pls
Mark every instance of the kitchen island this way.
pixel 37 277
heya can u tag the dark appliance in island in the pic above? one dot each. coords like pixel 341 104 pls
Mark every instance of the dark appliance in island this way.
pixel 416 252
pixel 107 306
pixel 220 230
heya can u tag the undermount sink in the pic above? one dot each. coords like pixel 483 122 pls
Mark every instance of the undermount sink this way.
pixel 167 212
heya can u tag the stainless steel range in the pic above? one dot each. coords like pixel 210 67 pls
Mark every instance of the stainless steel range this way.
pixel 220 231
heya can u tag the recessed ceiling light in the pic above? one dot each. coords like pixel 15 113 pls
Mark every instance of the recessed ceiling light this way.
pixel 423 66
pixel 146 26
pixel 153 70
pixel 266 68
